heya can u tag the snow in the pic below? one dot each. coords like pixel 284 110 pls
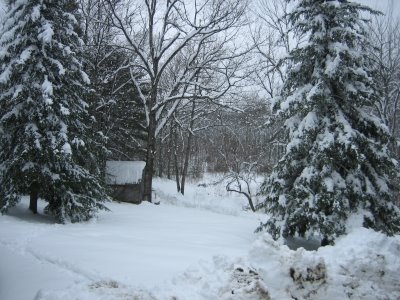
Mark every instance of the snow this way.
pixel 282 200
pixel 134 245
pixel 47 33
pixel 35 15
pixel 124 172
pixel 85 77
pixel 66 148
pixel 296 97
pixel 5 75
pixel 47 87
pixel 26 54
pixel 61 69
pixel 65 111
pixel 332 65
pixel 198 246
pixel 334 181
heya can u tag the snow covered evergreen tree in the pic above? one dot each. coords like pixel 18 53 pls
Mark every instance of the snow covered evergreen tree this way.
pixel 337 161
pixel 45 142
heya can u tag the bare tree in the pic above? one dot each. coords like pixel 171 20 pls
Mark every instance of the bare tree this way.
pixel 158 32
pixel 385 33
pixel 194 118
pixel 274 39
pixel 241 180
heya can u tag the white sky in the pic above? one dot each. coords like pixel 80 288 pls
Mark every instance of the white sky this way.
pixel 383 5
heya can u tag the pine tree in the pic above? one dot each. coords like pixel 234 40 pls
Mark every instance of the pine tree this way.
pixel 115 103
pixel 114 100
pixel 46 140
pixel 337 162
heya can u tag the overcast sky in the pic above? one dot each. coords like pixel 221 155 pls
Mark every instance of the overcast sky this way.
pixel 383 5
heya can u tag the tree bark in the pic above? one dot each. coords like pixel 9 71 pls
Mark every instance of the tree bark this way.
pixel 188 148
pixel 178 187
pixel 246 195
pixel 160 159
pixel 34 195
pixel 170 141
pixel 169 164
pixel 148 170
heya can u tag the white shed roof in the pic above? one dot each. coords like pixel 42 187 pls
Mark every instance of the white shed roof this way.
pixel 124 172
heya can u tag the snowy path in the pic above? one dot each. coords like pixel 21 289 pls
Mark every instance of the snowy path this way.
pixel 135 245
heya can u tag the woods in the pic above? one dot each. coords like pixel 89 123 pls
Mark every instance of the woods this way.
pixel 199 149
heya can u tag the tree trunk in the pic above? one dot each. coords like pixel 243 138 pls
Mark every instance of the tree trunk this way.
pixel 169 151
pixel 250 203
pixel 160 159
pixel 148 170
pixel 188 148
pixel 34 194
pixel 186 163
pixel 178 188
pixel 169 164
pixel 246 195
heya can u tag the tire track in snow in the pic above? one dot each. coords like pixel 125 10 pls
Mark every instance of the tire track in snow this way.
pixel 65 266
pixel 20 246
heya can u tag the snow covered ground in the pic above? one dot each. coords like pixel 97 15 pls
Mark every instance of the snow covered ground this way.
pixel 200 246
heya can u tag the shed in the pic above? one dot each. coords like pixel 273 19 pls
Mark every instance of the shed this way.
pixel 125 179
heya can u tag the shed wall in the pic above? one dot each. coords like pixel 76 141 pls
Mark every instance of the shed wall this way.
pixel 127 193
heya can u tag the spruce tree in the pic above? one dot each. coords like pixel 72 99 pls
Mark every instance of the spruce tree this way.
pixel 337 162
pixel 114 100
pixel 115 103
pixel 46 140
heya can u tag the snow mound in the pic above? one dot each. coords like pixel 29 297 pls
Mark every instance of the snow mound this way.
pixel 362 265
pixel 365 265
